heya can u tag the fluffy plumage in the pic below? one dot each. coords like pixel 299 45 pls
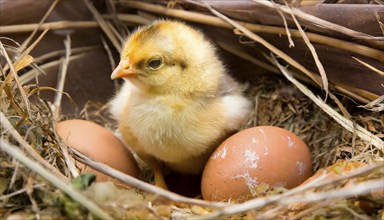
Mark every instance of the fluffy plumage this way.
pixel 177 103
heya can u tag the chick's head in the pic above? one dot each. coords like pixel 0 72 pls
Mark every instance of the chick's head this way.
pixel 169 56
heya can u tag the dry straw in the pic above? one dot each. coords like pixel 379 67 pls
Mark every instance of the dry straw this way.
pixel 29 141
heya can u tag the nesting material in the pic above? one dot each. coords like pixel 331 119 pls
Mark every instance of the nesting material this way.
pixel 290 81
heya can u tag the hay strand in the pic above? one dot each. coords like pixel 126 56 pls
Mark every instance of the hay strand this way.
pixel 369 66
pixel 312 49
pixel 62 77
pixel 55 25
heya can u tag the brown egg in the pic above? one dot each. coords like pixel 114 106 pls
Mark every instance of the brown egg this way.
pixel 341 168
pixel 264 156
pixel 335 170
pixel 98 143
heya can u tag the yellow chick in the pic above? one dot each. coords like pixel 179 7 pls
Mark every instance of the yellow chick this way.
pixel 177 103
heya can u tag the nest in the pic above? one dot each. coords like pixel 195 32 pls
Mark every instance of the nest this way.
pixel 309 67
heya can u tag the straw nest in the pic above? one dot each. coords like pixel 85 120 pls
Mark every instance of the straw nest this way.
pixel 309 70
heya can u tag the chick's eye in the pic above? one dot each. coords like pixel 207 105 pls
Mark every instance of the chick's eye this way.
pixel 154 63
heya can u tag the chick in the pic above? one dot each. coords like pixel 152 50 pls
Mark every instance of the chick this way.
pixel 177 103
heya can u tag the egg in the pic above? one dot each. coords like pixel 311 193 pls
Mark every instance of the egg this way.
pixel 335 170
pixel 264 156
pixel 340 168
pixel 99 144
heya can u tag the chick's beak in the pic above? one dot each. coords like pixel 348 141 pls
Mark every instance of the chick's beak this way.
pixel 122 70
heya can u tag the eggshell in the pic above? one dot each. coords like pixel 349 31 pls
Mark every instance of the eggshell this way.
pixel 335 170
pixel 258 156
pixel 98 143
pixel 341 168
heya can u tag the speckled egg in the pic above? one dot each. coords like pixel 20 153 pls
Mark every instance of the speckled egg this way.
pixel 259 156
pixel 98 143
